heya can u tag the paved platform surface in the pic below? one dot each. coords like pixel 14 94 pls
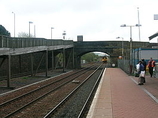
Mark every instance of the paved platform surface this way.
pixel 119 96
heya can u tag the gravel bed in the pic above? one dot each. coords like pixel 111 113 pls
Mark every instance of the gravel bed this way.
pixel 72 108
pixel 20 82
pixel 45 105
pixel 21 90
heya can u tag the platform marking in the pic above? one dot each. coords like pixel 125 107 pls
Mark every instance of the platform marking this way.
pixel 146 91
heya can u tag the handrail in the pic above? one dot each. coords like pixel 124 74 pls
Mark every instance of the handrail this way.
pixel 18 42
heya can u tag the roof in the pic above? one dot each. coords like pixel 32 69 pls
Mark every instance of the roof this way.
pixel 153 36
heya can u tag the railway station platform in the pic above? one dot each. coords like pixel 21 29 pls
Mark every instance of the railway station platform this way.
pixel 119 96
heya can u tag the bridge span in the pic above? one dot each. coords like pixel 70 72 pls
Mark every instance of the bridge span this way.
pixel 31 55
pixel 112 48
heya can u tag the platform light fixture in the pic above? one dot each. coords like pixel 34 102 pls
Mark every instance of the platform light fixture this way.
pixel 124 25
pixel 64 34
pixel 30 22
pixel 14 23
pixel 51 31
pixel 122 45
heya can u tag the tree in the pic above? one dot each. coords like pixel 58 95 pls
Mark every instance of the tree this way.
pixel 90 57
pixel 24 35
pixel 3 31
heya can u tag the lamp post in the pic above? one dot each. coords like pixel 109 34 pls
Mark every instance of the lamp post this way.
pixel 14 23
pixel 29 27
pixel 64 34
pixel 34 31
pixel 131 47
pixel 138 23
pixel 122 46
pixel 51 31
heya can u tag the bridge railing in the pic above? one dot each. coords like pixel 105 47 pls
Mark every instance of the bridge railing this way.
pixel 17 42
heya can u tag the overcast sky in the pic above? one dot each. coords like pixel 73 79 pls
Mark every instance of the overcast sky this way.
pixel 96 20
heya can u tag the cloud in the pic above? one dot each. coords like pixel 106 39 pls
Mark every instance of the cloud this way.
pixel 94 19
pixel 52 6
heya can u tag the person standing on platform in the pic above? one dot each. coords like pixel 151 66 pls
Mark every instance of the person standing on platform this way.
pixel 151 65
pixel 141 73
pixel 144 63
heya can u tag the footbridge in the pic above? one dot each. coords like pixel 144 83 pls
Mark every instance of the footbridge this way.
pixel 29 56
pixel 33 55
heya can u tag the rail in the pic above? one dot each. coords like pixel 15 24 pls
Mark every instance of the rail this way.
pixel 68 102
pixel 32 96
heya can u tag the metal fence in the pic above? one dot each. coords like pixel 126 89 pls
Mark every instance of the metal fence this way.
pixel 14 42
pixel 124 65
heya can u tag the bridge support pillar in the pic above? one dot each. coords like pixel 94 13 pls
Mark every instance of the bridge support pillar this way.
pixel 69 58
pixel 9 71
pixel 78 62
pixel 64 58
pixel 31 56
pixel 46 63
pixel 53 60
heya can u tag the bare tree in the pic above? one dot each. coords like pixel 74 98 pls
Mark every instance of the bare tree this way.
pixel 24 35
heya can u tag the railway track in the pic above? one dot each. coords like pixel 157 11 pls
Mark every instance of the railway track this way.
pixel 76 104
pixel 39 99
